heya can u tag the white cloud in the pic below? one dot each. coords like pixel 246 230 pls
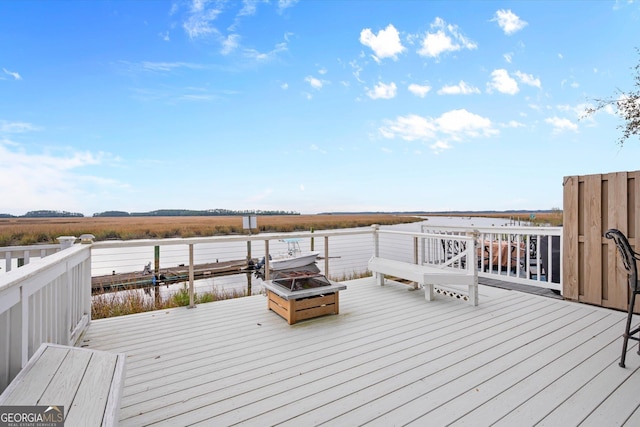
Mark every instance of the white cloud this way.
pixel 386 44
pixel 528 79
pixel 314 147
pixel 48 181
pixel 460 89
pixel 168 66
pixel 265 56
pixel 560 125
pixel 249 7
pixel 419 90
pixel 509 22
pixel 508 57
pixel 230 44
pixel 410 128
pixel 455 125
pixel 357 69
pixel 440 146
pixel 15 127
pixel 503 83
pixel 284 86
pixel 199 21
pixel 444 38
pixel 13 74
pixel 383 91
pixel 285 4
pixel 313 82
pixel 514 124
pixel 460 124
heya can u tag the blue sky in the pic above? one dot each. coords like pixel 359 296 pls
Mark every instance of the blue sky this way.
pixel 309 106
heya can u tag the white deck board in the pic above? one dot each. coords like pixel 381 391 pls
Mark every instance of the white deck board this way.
pixel 388 358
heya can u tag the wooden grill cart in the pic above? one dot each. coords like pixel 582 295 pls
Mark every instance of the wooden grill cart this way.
pixel 300 296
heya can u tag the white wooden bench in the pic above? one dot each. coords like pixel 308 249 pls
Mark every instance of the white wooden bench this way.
pixel 86 383
pixel 428 276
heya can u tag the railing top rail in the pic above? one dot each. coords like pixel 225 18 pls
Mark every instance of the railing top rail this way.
pixel 505 229
pixel 35 268
pixel 32 248
pixel 234 238
pixel 427 235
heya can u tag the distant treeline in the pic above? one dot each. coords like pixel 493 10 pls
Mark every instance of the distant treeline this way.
pixel 229 212
pixel 187 212
pixel 44 214
pixel 161 212
pixel 553 210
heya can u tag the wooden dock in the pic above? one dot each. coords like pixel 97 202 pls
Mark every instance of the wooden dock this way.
pixel 165 276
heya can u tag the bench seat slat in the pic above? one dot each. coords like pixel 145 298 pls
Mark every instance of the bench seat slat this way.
pixel 62 390
pixel 26 389
pixel 91 399
pixel 87 383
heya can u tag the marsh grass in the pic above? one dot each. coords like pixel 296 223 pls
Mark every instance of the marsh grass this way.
pixel 132 301
pixel 28 231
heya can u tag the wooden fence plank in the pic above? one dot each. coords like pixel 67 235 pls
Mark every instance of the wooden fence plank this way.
pixel 617 290
pixel 592 240
pixel 570 238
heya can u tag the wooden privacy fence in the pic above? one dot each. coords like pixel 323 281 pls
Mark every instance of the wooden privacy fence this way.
pixel 592 270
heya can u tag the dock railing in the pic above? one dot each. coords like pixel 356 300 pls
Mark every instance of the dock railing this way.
pixel 525 255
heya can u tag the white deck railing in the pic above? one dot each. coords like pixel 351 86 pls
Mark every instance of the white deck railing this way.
pixel 17 256
pixel 48 300
pixel 526 255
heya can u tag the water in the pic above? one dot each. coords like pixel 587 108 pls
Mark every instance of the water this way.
pixel 348 256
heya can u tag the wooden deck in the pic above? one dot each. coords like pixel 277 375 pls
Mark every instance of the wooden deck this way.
pixel 388 359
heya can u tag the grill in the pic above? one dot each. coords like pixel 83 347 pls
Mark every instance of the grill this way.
pixel 301 280
pixel 300 295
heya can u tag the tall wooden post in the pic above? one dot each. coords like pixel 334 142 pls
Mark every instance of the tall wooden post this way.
pixel 267 265
pixel 191 296
pixel 156 266
pixel 312 241
pixel 249 261
pixel 326 256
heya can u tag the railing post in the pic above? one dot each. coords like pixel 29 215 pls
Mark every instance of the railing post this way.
pixel 376 242
pixel 24 340
pixel 66 241
pixel 267 265
pixel 473 264
pixel 379 277
pixel 191 296
pixel 326 256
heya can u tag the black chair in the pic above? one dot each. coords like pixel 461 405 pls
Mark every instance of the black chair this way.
pixel 629 258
